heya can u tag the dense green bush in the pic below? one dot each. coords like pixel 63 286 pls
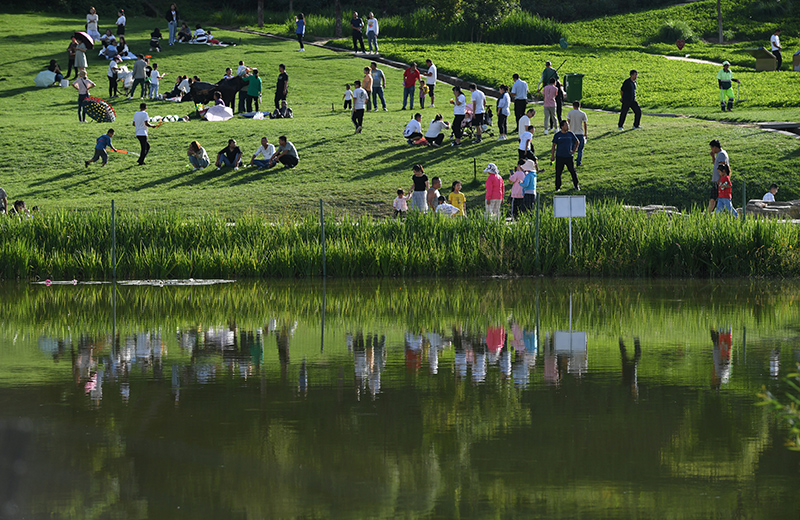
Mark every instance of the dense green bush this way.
pixel 673 30
pixel 518 26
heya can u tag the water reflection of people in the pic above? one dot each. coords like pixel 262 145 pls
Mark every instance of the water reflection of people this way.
pixel 630 367
pixel 460 346
pixel 723 342
pixel 774 363
pixel 526 347
pixel 368 361
pixel 282 338
pixel 434 345
pixel 413 351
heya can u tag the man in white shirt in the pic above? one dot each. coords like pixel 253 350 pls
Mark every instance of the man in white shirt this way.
pixel 266 150
pixel 775 45
pixel 359 104
pixel 577 123
pixel 478 110
pixel 526 120
pixel 519 95
pixel 770 195
pixel 141 121
pixel 432 76
pixel 413 129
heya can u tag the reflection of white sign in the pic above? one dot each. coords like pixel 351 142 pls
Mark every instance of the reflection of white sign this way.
pixel 569 206
pixel 566 342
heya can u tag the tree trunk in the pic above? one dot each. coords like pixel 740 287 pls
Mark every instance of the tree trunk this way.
pixel 338 31
pixel 261 13
pixel 719 19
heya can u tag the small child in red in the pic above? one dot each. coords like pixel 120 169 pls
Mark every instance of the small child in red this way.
pixel 725 188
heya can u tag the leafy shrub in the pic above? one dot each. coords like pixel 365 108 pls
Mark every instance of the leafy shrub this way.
pixel 673 30
pixel 525 28
pixel 769 10
pixel 231 17
pixel 520 27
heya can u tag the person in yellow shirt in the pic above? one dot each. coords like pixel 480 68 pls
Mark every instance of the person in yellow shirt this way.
pixel 458 199
pixel 423 91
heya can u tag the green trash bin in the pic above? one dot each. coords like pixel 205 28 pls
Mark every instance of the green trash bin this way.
pixel 573 84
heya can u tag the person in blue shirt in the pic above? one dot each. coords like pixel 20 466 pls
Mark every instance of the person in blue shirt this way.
pixel 300 20
pixel 565 144
pixel 103 142
pixel 528 186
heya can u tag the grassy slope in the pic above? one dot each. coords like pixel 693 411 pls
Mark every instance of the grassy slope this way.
pixel 666 163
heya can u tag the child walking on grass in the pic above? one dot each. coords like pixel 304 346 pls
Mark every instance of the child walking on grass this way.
pixel 348 98
pixel 457 199
pixel 103 142
pixel 725 188
pixel 423 91
pixel 400 204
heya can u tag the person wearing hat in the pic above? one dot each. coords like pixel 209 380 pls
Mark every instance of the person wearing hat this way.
pixel 725 80
pixel 495 190
pixel 547 74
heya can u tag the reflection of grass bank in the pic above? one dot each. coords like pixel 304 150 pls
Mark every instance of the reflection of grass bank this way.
pixel 609 242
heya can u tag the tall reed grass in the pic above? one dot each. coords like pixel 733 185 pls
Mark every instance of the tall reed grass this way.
pixel 610 241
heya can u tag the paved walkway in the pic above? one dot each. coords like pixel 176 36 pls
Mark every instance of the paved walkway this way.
pixel 692 60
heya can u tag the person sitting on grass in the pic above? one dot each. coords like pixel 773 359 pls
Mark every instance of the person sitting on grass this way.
pixel 413 129
pixel 103 142
pixel 3 201
pixel 266 150
pixel 53 67
pixel 155 40
pixel 769 196
pixel 284 112
pixel 108 38
pixel 185 34
pixel 197 156
pixel 435 134
pixel 231 155
pixel 446 209
pixel 200 35
pixel 286 154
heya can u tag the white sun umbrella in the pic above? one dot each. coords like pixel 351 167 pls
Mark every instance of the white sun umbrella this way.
pixel 45 78
pixel 219 113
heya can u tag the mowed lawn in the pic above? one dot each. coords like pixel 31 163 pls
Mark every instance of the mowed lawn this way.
pixel 42 161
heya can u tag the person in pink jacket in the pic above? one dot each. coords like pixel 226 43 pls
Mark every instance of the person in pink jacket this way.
pixel 495 191
pixel 517 195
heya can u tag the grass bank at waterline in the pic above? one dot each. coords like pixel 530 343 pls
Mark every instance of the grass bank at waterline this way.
pixel 610 241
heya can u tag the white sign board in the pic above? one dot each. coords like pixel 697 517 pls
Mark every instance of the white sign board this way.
pixel 569 206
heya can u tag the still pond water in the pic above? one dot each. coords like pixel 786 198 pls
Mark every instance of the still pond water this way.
pixel 387 399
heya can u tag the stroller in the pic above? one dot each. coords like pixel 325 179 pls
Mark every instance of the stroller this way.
pixel 469 125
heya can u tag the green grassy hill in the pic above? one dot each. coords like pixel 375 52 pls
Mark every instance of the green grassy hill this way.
pixel 668 162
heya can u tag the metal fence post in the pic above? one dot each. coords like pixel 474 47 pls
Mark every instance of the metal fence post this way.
pixel 113 242
pixel 322 226
pixel 744 198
